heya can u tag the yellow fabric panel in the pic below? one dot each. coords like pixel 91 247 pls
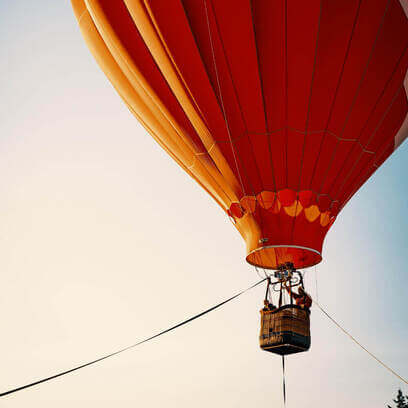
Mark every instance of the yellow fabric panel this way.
pixel 325 218
pixel 295 209
pixel 144 107
pixel 266 199
pixel 312 213
pixel 142 86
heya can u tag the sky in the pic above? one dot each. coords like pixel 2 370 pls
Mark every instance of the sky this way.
pixel 104 240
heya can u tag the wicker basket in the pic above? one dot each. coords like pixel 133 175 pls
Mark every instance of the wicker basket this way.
pixel 285 330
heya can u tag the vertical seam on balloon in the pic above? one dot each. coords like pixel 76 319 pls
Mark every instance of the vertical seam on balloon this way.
pixel 364 150
pixel 221 99
pixel 310 95
pixel 326 131
pixel 372 135
pixel 286 92
pixel 307 116
pixel 379 30
pixel 239 105
pixel 228 67
pixel 262 93
pixel 265 115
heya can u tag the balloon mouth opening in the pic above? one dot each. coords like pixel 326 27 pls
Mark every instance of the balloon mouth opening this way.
pixel 272 256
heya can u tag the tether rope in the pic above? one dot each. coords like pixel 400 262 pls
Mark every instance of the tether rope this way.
pixel 283 381
pixel 3 394
pixel 359 344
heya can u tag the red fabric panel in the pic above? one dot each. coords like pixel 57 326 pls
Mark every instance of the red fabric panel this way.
pixel 231 154
pixel 278 142
pixel 324 203
pixel 295 143
pixel 385 103
pixel 287 197
pixel 336 28
pixel 307 198
pixel 391 123
pixel 241 54
pixel 382 66
pixel 261 145
pixel 386 128
pixel 328 74
pixel 369 25
pixel 302 39
pixel 384 137
pixel 304 98
pixel 269 26
pixel 245 152
pixel 384 106
pixel 302 34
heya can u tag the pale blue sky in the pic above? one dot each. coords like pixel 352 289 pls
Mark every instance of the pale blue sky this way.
pixel 97 252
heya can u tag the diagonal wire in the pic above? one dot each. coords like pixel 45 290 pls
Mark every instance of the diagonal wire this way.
pixel 23 387
pixel 261 82
pixel 360 345
pixel 221 98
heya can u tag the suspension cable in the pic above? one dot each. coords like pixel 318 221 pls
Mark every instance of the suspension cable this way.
pixel 359 344
pixel 3 394
pixel 283 381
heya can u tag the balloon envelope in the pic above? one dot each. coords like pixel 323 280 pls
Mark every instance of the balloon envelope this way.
pixel 281 110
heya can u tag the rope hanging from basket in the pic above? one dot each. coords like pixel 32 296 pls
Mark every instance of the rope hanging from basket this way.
pixel 283 380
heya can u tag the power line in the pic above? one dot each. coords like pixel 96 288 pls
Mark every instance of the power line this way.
pixel 23 387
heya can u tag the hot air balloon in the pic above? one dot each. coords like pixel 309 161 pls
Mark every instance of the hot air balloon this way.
pixel 280 109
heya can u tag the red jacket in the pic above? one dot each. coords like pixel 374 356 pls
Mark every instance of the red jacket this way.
pixel 303 300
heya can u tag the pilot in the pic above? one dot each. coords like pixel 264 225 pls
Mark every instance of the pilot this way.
pixel 302 299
